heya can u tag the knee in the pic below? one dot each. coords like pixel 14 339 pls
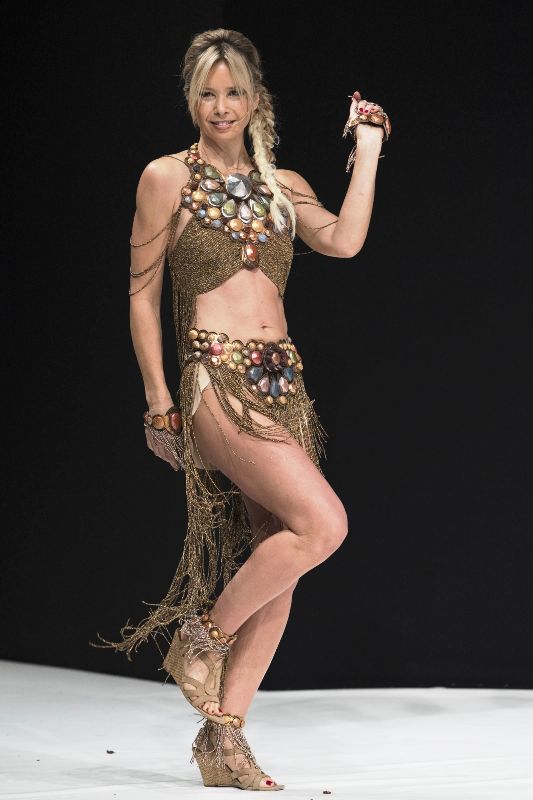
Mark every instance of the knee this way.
pixel 330 531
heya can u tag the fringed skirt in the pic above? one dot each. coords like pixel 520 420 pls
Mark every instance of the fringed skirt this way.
pixel 265 377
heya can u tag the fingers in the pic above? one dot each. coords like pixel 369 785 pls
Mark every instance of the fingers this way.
pixel 366 107
pixel 361 106
pixel 356 97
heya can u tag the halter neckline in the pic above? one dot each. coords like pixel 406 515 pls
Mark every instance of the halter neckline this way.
pixel 253 168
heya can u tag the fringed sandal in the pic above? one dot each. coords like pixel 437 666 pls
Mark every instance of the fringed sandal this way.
pixel 210 644
pixel 210 752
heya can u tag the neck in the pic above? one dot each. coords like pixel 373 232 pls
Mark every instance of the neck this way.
pixel 229 157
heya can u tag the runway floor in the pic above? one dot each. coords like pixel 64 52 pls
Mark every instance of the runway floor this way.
pixel 58 725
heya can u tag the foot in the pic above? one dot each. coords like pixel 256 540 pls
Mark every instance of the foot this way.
pixel 239 760
pixel 198 670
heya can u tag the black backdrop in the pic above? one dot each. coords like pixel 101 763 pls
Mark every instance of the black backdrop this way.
pixel 426 408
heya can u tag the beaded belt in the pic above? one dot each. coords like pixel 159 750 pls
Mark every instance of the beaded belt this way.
pixel 268 367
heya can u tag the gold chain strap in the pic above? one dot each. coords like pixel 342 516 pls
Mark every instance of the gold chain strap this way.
pixel 173 224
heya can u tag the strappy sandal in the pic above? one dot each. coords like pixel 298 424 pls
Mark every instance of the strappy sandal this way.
pixel 205 641
pixel 209 752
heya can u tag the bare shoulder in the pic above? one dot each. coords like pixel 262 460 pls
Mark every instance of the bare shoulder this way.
pixel 164 175
pixel 293 180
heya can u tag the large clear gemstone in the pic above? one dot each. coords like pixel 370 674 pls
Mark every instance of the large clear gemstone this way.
pixel 239 185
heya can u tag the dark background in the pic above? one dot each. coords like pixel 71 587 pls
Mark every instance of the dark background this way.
pixel 426 405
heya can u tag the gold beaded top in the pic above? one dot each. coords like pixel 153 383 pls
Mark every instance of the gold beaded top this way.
pixel 206 254
pixel 238 205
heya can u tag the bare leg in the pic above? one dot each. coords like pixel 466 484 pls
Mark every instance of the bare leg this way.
pixel 285 482
pixel 251 654
pixel 259 637
pixel 249 660
pixel 256 602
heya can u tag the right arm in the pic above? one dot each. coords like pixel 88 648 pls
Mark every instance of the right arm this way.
pixel 157 193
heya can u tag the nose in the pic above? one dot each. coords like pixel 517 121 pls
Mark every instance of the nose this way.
pixel 220 105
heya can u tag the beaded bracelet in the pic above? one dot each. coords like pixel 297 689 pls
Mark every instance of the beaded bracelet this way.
pixel 379 119
pixel 171 421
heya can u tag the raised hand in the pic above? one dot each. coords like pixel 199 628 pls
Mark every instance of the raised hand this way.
pixel 358 107
pixel 366 121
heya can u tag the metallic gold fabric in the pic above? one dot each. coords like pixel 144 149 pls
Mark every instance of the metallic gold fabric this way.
pixel 218 535
pixel 203 259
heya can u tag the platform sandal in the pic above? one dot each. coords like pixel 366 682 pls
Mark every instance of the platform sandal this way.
pixel 210 644
pixel 209 751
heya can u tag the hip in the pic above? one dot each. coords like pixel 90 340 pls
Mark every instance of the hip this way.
pixel 268 368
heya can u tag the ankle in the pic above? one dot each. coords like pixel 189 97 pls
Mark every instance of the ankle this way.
pixel 238 713
pixel 216 631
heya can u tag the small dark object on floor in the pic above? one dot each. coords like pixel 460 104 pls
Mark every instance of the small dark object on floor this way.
pixel 110 751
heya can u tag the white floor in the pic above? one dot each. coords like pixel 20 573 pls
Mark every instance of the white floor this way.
pixel 427 744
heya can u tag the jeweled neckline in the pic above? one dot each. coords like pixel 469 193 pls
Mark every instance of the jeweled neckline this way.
pixel 237 204
pixel 233 172
pixel 254 167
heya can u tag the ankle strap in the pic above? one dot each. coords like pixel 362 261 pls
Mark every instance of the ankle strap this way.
pixel 215 632
pixel 229 719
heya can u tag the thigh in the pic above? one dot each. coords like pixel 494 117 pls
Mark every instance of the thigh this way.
pixel 279 476
pixel 262 521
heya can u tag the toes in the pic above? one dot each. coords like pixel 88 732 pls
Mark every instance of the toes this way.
pixel 212 708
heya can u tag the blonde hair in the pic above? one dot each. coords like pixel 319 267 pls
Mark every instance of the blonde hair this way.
pixel 244 63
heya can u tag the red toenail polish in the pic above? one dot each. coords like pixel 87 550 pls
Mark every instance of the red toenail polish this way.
pixel 269 783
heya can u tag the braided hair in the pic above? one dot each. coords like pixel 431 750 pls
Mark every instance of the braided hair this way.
pixel 244 63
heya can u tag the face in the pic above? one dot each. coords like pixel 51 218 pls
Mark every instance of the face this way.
pixel 223 113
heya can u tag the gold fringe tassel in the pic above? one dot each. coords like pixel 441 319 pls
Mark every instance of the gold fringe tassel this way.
pixel 218 529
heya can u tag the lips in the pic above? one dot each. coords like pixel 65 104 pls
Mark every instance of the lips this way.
pixel 223 124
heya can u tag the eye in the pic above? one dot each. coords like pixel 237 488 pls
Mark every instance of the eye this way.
pixel 205 94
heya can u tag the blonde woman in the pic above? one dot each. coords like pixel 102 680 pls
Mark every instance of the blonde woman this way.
pixel 260 511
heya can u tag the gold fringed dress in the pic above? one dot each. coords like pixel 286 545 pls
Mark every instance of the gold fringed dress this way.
pixel 264 376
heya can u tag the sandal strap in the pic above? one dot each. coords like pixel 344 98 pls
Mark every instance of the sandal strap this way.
pixel 215 632
pixel 208 689
pixel 199 639
pixel 199 694
pixel 214 667
pixel 229 719
pixel 252 777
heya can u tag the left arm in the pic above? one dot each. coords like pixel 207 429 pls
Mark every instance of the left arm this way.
pixel 339 236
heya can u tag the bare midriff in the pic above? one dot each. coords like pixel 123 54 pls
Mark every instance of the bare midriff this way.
pixel 246 306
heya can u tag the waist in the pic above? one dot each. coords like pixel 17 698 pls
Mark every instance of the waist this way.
pixel 217 349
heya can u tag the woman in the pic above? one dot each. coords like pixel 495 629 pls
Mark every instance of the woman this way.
pixel 246 432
